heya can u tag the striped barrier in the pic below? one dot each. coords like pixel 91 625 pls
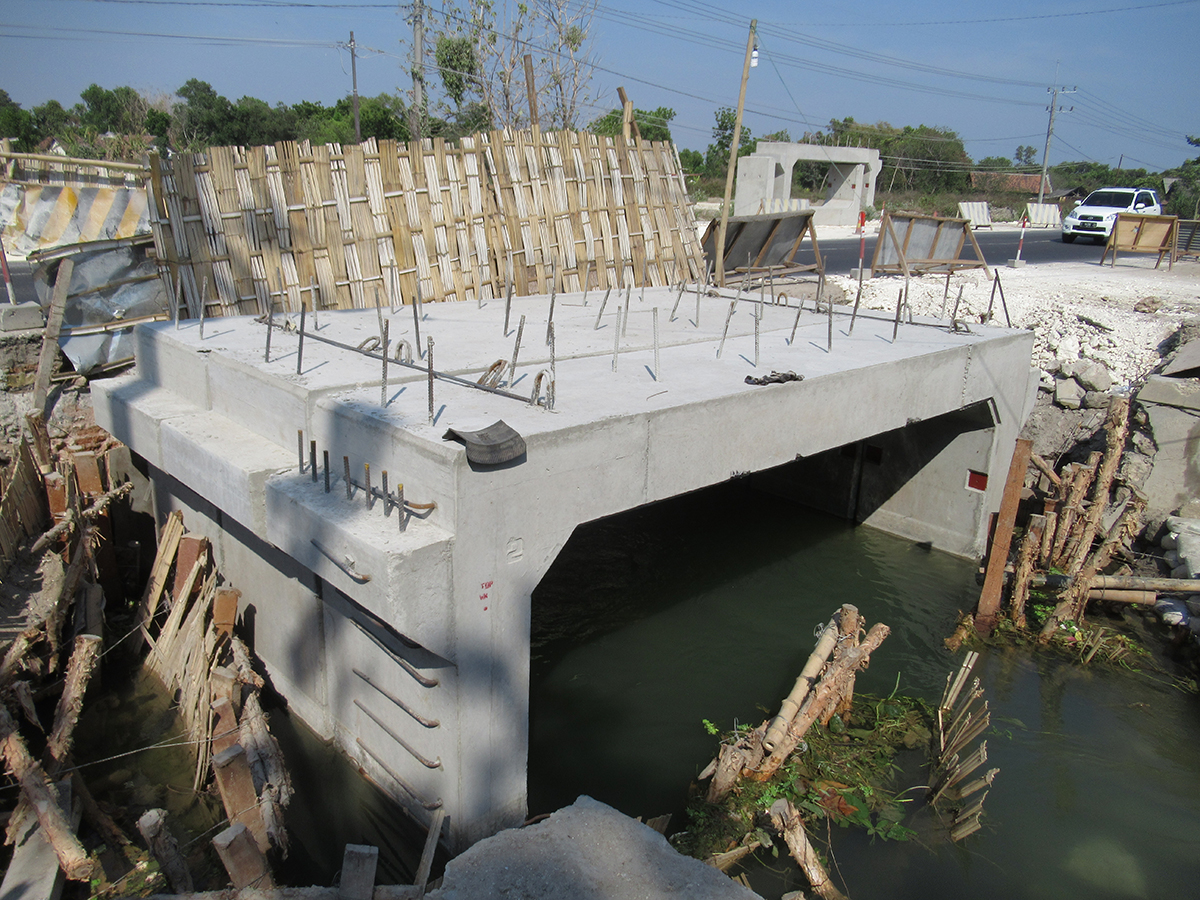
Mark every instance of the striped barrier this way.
pixel 979 212
pixel 35 218
pixel 1043 215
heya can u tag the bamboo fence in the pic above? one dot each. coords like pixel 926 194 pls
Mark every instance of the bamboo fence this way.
pixel 356 225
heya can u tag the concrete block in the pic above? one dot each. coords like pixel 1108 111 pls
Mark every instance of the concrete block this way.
pixel 245 863
pixel 166 361
pixel 1068 394
pixel 21 317
pixel 1016 263
pixel 358 872
pixel 223 462
pixel 269 406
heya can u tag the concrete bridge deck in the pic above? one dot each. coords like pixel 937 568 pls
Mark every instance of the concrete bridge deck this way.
pixel 421 672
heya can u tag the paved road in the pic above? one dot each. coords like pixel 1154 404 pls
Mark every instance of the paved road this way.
pixel 1042 245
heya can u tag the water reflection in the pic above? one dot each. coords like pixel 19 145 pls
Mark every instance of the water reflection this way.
pixel 707 617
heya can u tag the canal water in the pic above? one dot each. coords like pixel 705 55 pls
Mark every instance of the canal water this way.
pixel 705 608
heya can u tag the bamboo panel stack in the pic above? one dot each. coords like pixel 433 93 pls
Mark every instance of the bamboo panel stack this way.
pixel 22 510
pixel 332 227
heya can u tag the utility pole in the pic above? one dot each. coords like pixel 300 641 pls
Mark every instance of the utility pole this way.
pixel 719 268
pixel 1054 107
pixel 354 82
pixel 416 115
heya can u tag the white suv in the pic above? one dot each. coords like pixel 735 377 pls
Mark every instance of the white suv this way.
pixel 1094 217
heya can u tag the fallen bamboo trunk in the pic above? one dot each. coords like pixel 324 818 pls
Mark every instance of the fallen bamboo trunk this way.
pixel 1116 430
pixel 808 676
pixel 828 691
pixel 1136 583
pixel 36 788
pixel 849 625
pixel 70 704
pixel 1025 559
pixel 725 861
pixel 1074 598
pixel 1080 483
pixel 1111 595
pixel 168 544
pixel 786 820
pixel 98 507
pixel 1044 467
pixel 732 760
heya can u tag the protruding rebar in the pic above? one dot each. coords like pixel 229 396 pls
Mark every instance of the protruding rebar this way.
pixel 857 298
pixel 603 303
pixel 326 461
pixel 367 482
pixel 203 298
pixel 829 309
pixel 346 473
pixel 757 327
pixel 402 513
pixel 616 340
pixel 270 328
pixel 300 447
pixel 728 318
pixel 312 299
pixel 654 321
pixel 312 459
pixel 796 322
pixel 550 317
pixel 386 498
pixel 300 347
pixel 429 353
pixel 625 320
pixel 383 385
pixel 899 307
pixel 550 335
pixel 379 311
pixel 587 280
pixel 678 297
pixel 417 315
pixel 512 367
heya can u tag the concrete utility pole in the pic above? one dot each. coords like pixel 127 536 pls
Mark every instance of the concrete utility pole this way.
pixel 354 83
pixel 1054 107
pixel 416 115
pixel 719 268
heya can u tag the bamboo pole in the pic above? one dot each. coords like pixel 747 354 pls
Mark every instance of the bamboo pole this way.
pixel 36 788
pixel 786 820
pixel 808 676
pixel 1116 429
pixel 1030 545
pixel 1074 505
pixel 826 695
pixel 153 826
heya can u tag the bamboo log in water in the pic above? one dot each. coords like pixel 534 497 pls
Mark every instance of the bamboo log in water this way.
pixel 786 820
pixel 1116 430
pixel 826 695
pixel 1025 560
pixel 808 676
pixel 1084 476
pixel 153 826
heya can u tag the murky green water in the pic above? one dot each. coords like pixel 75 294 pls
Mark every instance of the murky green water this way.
pixel 706 608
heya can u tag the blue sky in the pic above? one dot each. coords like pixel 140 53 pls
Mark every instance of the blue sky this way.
pixel 980 70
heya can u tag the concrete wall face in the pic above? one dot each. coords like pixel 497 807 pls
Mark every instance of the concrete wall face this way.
pixel 440 632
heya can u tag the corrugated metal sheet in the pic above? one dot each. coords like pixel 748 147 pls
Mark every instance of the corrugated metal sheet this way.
pixel 35 218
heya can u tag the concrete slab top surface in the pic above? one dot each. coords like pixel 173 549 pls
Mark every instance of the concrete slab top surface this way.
pixel 588 385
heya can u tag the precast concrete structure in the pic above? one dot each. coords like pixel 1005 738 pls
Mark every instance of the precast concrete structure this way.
pixel 764 180
pixel 409 646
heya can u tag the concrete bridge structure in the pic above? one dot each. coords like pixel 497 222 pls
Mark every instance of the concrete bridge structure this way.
pixel 409 646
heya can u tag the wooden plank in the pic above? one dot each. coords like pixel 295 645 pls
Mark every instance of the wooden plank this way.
pixel 54 319
pixel 988 608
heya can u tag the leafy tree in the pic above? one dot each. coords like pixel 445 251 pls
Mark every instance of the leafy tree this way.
pixel 1026 155
pixel 17 123
pixel 921 158
pixel 716 157
pixel 458 64
pixel 120 111
pixel 994 163
pixel 654 125
pixel 692 161
pixel 51 120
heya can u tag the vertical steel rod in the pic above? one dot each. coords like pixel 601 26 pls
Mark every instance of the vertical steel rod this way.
pixel 300 447
pixel 367 482
pixel 616 340
pixel 507 304
pixel 678 297
pixel 899 307
pixel 603 303
pixel 300 347
pixel 346 473
pixel 429 351
pixel 654 320
pixel 512 367
pixel 270 328
pixel 383 401
pixel 756 340
pixel 625 321
pixel 553 373
pixel 386 498
pixel 312 459
pixel 379 311
pixel 728 317
pixel 312 299
pixel 417 316
pixel 587 280
pixel 857 298
pixel 829 308
pixel 326 461
pixel 203 292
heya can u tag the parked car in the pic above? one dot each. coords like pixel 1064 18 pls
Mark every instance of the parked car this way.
pixel 1094 217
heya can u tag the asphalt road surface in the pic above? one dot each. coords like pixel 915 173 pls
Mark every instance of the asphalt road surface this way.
pixel 1042 245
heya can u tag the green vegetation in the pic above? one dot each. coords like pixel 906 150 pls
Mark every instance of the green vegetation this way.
pixel 846 775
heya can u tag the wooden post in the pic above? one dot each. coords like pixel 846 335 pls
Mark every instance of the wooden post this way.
pixel 629 125
pixel 1025 560
pixel 359 862
pixel 79 671
pixel 737 137
pixel 225 608
pixel 431 842
pixel 225 726
pixel 993 581
pixel 236 786
pixel 153 826
pixel 786 820
pixel 245 863
pixel 54 318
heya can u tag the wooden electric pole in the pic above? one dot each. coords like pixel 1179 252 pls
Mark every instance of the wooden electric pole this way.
pixel 1054 107
pixel 719 268
pixel 416 115
pixel 354 85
